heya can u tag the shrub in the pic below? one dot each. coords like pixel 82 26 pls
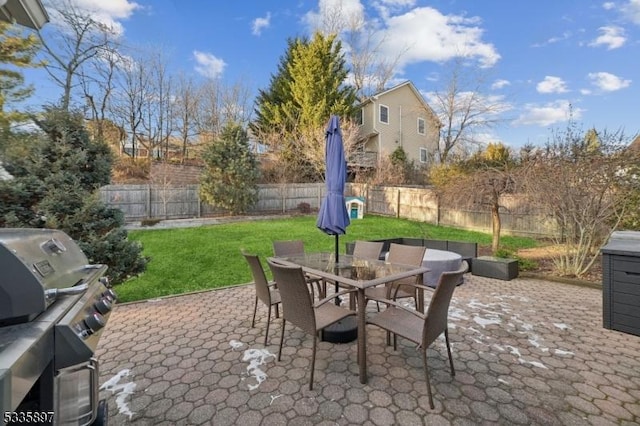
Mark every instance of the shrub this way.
pixel 304 208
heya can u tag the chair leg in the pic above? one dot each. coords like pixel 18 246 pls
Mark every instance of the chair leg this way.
pixel 266 333
pixel 446 339
pixel 313 360
pixel 255 309
pixel 426 377
pixel 277 311
pixel 281 339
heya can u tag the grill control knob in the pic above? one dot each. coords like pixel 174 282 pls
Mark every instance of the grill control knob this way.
pixel 110 294
pixel 94 322
pixel 103 305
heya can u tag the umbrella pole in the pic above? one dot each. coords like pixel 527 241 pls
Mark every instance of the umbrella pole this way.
pixel 337 288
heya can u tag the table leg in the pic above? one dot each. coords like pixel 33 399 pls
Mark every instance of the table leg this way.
pixel 362 336
pixel 420 300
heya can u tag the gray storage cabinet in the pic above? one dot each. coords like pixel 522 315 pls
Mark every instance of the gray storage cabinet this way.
pixel 621 282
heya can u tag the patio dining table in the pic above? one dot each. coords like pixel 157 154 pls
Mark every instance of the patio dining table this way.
pixel 357 273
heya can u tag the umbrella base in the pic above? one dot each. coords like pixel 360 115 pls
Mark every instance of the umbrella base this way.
pixel 343 331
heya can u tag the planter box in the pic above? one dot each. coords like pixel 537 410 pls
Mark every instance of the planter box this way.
pixel 495 267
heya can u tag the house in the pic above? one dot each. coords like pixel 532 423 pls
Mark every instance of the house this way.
pixel 397 117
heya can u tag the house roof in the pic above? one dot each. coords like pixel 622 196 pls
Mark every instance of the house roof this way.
pixel 413 88
pixel 635 145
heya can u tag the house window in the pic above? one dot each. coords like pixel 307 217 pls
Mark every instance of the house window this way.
pixel 420 126
pixel 359 117
pixel 384 114
pixel 424 157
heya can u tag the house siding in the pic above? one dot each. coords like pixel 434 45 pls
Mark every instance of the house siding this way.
pixel 402 130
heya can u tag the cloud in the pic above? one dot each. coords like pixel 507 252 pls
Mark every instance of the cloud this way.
pixel 631 11
pixel 208 65
pixel 611 36
pixel 547 114
pixel 607 82
pixel 608 5
pixel 334 14
pixel 425 34
pixel 499 84
pixel 552 84
pixel 564 36
pixel 108 13
pixel 259 24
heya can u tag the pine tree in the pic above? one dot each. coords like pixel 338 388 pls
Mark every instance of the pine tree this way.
pixel 16 51
pixel 230 177
pixel 55 184
pixel 308 87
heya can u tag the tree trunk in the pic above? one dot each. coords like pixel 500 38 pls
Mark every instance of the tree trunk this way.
pixel 496 224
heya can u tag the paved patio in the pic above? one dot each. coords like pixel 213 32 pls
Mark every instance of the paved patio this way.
pixel 526 352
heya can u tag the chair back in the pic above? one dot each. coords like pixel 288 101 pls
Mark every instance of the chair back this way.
pixel 435 322
pixel 259 278
pixel 288 248
pixel 294 294
pixel 367 249
pixel 407 255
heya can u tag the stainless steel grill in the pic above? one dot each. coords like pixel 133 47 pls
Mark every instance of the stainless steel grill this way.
pixel 53 306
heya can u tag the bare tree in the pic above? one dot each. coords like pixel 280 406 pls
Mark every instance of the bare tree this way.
pixel 129 101
pixel 158 117
pixel 186 103
pixel 78 39
pixel 584 185
pixel 480 182
pixel 97 80
pixel 464 110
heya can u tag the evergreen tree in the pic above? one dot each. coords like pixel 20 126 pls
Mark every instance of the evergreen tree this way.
pixel 16 51
pixel 308 87
pixel 56 178
pixel 230 177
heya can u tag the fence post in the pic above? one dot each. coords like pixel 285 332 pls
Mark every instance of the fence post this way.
pixel 148 207
pixel 284 200
pixel 398 204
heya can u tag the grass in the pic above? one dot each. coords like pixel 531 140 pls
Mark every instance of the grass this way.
pixel 190 259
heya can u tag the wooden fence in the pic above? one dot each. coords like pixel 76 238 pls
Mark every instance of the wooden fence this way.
pixel 416 203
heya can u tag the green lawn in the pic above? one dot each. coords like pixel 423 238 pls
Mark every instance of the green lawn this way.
pixel 191 259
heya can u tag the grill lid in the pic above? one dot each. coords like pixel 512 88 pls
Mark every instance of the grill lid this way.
pixel 37 265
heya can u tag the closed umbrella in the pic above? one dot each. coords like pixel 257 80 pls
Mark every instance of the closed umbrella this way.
pixel 333 217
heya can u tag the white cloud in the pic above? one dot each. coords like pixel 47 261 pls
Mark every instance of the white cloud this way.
pixel 334 13
pixel 552 84
pixel 607 82
pixel 499 84
pixel 425 34
pixel 631 11
pixel 608 5
pixel 259 24
pixel 106 12
pixel 208 65
pixel 611 36
pixel 548 114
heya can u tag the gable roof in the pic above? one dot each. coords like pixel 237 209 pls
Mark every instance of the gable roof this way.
pixel 415 91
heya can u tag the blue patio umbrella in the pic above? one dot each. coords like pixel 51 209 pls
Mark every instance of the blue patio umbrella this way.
pixel 333 217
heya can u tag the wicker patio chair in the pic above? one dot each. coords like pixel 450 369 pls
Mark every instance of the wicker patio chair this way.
pixel 407 255
pixel 298 307
pixel 266 291
pixel 367 249
pixel 420 328
pixel 295 247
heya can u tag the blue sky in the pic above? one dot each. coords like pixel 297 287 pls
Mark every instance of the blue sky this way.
pixel 538 57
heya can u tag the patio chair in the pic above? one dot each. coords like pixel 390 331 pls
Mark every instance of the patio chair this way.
pixel 266 291
pixel 367 249
pixel 420 328
pixel 407 255
pixel 298 307
pixel 295 247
